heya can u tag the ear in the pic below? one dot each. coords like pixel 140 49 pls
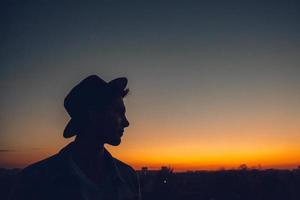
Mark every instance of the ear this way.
pixel 94 116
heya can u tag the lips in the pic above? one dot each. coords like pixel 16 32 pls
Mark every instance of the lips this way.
pixel 121 132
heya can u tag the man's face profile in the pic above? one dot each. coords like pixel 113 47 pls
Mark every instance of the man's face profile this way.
pixel 108 126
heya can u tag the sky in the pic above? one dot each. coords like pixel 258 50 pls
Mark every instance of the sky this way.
pixel 212 83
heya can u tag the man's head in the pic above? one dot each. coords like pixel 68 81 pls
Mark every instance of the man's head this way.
pixel 97 110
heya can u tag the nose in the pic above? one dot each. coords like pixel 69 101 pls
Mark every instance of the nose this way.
pixel 125 122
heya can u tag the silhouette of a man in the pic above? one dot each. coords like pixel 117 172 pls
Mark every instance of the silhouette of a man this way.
pixel 84 169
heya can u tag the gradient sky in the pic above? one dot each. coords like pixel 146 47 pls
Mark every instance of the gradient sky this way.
pixel 212 84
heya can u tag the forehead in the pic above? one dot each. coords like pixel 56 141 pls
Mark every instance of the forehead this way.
pixel 118 104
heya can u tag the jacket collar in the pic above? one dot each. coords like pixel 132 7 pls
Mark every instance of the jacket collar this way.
pixel 66 154
pixel 112 162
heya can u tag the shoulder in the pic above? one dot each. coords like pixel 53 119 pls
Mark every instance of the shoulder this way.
pixel 49 166
pixel 42 164
pixel 31 181
pixel 128 173
pixel 130 177
pixel 41 169
pixel 125 168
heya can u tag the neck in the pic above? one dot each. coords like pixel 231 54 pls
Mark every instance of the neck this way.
pixel 88 149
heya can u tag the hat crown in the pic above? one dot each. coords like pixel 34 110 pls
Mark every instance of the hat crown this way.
pixel 84 94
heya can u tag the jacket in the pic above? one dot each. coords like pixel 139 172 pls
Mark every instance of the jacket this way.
pixel 58 177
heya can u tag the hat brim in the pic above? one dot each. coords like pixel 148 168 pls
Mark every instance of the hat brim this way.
pixel 70 129
pixel 118 83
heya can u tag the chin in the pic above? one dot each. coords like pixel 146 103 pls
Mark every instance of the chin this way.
pixel 114 142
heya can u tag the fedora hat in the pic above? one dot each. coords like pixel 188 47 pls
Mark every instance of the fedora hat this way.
pixel 88 93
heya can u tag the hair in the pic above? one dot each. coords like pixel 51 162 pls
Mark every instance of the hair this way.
pixel 125 92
